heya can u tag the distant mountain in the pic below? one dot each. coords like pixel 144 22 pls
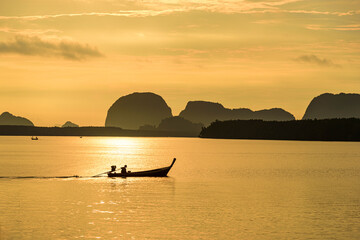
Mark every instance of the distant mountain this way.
pixel 137 109
pixel 329 105
pixel 207 112
pixel 180 124
pixel 69 124
pixel 7 118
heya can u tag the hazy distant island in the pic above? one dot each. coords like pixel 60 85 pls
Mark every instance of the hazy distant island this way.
pixel 329 117
pixel 148 114
pixel 149 111
pixel 69 124
pixel 7 118
pixel 207 112
pixel 329 105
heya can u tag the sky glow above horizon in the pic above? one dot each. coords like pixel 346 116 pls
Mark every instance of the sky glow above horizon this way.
pixel 71 59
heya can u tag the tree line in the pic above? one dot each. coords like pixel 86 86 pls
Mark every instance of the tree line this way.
pixel 312 130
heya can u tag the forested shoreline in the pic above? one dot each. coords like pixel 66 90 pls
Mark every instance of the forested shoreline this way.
pixel 311 130
pixel 88 131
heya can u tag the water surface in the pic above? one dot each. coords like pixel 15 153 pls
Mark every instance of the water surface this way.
pixel 217 189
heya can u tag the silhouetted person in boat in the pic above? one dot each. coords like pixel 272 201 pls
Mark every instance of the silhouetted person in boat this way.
pixel 123 169
pixel 113 168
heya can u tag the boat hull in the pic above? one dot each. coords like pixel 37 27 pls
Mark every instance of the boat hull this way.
pixel 160 172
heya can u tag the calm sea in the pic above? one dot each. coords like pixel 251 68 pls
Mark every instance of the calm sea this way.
pixel 217 189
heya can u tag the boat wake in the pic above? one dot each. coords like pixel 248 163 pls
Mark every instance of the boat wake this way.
pixel 46 177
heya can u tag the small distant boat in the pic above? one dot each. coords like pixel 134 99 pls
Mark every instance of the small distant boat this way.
pixel 159 172
pixel 34 138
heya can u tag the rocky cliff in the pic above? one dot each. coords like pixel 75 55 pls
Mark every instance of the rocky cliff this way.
pixel 207 112
pixel 327 106
pixel 7 118
pixel 137 109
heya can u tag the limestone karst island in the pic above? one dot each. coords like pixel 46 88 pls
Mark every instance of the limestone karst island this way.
pixel 328 117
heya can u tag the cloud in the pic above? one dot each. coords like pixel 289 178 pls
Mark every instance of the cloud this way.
pixel 229 9
pixel 316 60
pixel 149 8
pixel 340 14
pixel 129 13
pixel 36 46
pixel 29 32
pixel 269 21
pixel 350 27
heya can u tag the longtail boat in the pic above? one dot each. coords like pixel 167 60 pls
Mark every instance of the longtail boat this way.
pixel 159 172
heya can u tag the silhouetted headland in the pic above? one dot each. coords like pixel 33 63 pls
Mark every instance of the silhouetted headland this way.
pixel 7 118
pixel 311 130
pixel 147 114
pixel 207 112
pixel 137 109
pixel 329 105
pixel 69 124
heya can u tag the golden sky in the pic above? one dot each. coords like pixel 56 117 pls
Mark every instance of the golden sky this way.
pixel 71 59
